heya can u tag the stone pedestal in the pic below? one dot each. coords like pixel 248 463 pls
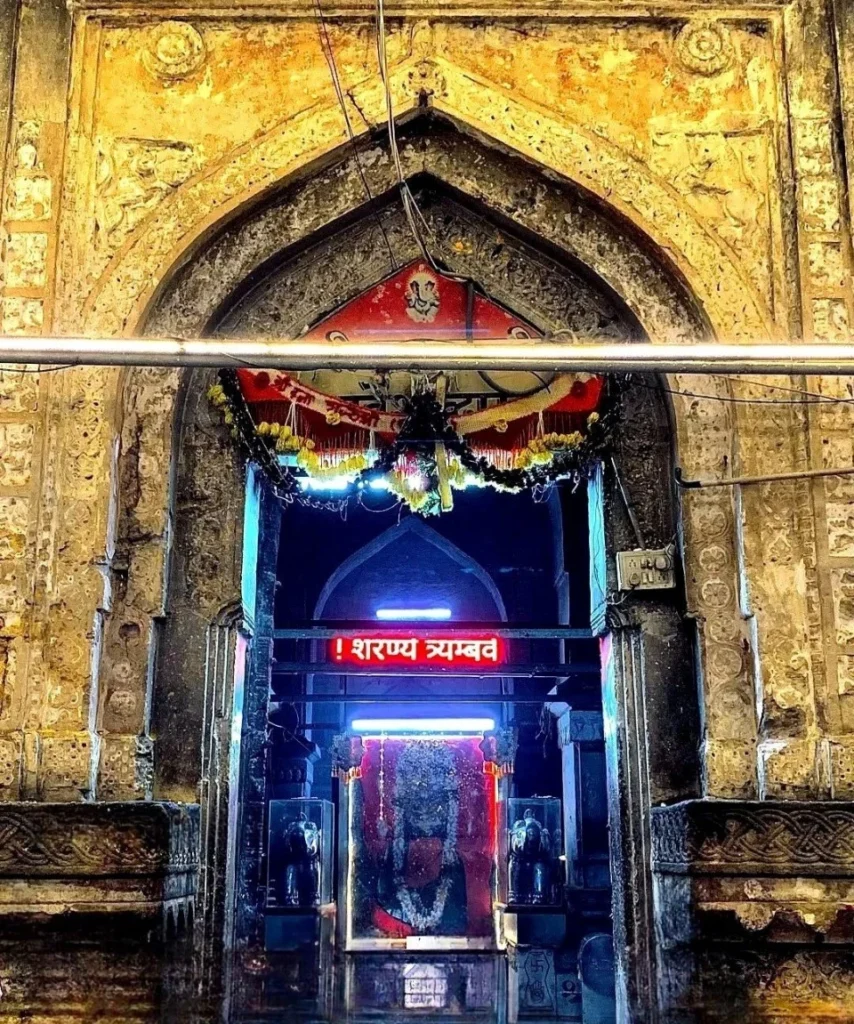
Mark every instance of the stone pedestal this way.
pixel 754 909
pixel 137 859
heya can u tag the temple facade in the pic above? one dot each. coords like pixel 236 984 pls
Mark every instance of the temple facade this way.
pixel 169 608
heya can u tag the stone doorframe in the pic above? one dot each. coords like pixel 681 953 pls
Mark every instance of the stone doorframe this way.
pixel 540 225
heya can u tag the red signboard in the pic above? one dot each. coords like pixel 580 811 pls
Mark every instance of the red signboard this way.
pixel 440 651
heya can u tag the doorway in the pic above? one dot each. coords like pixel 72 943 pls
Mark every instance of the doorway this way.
pixel 273 280
pixel 430 767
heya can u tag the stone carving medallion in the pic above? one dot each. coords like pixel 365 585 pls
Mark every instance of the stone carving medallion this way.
pixel 175 51
pixel 705 48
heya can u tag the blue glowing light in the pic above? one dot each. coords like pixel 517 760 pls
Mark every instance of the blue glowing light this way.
pixel 430 727
pixel 413 614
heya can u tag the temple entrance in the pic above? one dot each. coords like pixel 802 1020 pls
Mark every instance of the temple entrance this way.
pixel 438 809
pixel 426 779
pixel 434 789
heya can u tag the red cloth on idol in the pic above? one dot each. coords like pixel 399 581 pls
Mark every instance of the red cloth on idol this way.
pixel 476 829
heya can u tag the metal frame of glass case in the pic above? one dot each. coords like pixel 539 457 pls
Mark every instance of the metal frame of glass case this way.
pixel 403 787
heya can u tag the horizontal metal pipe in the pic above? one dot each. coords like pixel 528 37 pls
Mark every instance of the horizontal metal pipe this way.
pixel 334 668
pixel 317 631
pixel 493 354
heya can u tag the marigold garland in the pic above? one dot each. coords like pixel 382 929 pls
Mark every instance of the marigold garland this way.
pixel 408 466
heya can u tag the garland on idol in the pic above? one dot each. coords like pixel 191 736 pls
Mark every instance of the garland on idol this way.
pixel 427 458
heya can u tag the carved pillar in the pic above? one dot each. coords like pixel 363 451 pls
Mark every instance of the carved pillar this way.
pixel 822 109
pixel 650 693
pixel 585 806
pixel 54 504
pixel 792 583
pixel 725 659
pixel 208 509
pixel 641 657
pixel 134 627
pixel 250 848
pixel 225 665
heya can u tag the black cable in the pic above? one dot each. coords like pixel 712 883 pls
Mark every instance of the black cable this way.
pixel 11 368
pixel 735 401
pixel 781 387
pixel 329 54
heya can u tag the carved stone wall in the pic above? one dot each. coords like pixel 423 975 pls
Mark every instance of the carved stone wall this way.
pixel 146 164
pixel 105 197
pixel 754 909
pixel 139 144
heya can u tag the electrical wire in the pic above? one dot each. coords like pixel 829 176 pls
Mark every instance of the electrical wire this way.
pixel 781 387
pixel 329 55
pixel 410 207
pixel 809 397
pixel 832 399
pixel 7 368
pixel 657 386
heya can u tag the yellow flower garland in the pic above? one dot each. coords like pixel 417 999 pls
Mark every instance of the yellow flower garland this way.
pixel 540 451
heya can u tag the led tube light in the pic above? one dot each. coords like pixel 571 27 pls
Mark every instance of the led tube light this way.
pixel 431 726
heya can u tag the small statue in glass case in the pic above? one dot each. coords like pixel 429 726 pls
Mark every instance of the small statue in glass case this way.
pixel 300 879
pixel 530 856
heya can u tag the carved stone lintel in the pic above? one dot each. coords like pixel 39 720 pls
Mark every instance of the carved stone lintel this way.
pixel 97 858
pixel 777 838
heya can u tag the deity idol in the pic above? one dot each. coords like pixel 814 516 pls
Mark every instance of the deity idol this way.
pixel 300 880
pixel 530 856
pixel 420 883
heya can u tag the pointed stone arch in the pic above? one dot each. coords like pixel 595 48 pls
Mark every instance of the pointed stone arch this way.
pixel 703 434
pixel 155 404
pixel 175 231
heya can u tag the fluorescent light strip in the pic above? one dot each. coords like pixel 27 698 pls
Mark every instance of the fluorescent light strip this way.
pixel 413 614
pixel 385 726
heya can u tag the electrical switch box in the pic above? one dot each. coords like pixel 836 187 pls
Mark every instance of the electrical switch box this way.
pixel 646 569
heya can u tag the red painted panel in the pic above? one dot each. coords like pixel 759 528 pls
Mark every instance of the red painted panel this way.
pixel 418 302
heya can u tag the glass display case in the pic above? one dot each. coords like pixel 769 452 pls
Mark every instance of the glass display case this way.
pixel 421 845
pixel 531 846
pixel 300 852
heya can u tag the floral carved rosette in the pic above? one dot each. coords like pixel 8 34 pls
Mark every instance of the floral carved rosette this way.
pixel 705 47
pixel 175 51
